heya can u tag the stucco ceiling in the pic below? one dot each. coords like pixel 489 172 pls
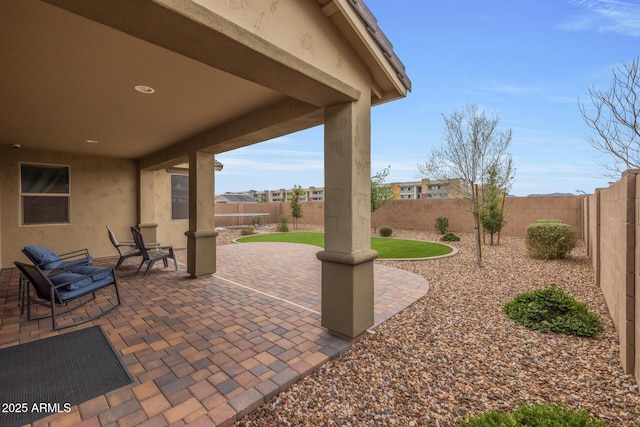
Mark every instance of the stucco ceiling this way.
pixel 65 79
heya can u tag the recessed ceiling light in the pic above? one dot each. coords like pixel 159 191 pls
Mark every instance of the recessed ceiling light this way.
pixel 144 89
pixel 91 141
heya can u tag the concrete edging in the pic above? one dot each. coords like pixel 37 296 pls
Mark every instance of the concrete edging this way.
pixel 453 252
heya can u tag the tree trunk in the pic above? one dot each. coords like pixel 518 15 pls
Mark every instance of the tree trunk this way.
pixel 476 224
pixel 477 238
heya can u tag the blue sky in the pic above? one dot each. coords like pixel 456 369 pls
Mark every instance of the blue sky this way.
pixel 527 61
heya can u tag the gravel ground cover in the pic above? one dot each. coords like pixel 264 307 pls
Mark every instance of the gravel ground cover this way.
pixel 454 353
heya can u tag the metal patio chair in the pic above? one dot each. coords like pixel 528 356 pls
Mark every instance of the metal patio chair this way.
pixel 150 255
pixel 48 260
pixel 64 286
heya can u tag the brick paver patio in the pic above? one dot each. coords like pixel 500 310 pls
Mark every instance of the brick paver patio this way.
pixel 206 351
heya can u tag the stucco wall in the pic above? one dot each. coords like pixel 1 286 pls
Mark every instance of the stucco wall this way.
pixel 103 191
pixel 308 34
pixel 520 212
pixel 421 214
pixel 169 231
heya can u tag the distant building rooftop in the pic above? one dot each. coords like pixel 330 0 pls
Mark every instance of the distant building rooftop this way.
pixel 234 198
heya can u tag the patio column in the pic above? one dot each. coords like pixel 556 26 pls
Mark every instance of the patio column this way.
pixel 201 237
pixel 147 206
pixel 347 261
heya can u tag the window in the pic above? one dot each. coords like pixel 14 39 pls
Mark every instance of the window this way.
pixel 179 196
pixel 44 194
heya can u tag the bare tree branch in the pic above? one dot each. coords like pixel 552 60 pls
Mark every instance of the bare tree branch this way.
pixel 615 122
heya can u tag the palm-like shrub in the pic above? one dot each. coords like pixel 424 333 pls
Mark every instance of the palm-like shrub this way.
pixel 442 223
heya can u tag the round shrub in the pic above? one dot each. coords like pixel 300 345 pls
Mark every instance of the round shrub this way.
pixel 247 231
pixel 385 231
pixel 550 220
pixel 535 415
pixel 450 237
pixel 552 310
pixel 550 239
pixel 283 227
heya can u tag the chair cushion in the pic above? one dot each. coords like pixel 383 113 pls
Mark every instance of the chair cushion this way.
pixel 66 295
pixel 70 265
pixel 45 257
pixel 67 276
pixel 99 273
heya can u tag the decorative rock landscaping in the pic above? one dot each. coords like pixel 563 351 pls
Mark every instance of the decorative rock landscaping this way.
pixel 455 353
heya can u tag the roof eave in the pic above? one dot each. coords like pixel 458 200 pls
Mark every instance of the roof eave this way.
pixel 390 81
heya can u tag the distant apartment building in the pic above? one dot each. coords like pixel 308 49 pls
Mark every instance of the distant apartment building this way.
pixel 428 189
pixel 423 189
pixel 311 194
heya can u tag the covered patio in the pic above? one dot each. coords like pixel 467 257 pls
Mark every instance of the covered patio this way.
pixel 112 109
pixel 208 350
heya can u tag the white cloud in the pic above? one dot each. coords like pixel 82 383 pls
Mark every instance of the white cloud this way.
pixel 510 88
pixel 605 16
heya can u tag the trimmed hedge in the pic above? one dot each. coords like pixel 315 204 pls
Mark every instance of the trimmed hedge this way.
pixel 550 239
pixel 385 231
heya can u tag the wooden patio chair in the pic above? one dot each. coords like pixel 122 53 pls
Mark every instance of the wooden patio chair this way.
pixel 60 288
pixel 150 255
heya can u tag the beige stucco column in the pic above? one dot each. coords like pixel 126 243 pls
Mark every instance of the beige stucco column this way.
pixel 201 237
pixel 147 205
pixel 347 261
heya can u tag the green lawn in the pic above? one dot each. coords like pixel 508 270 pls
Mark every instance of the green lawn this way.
pixel 386 247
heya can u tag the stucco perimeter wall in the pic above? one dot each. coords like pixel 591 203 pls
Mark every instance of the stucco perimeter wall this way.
pixel 613 216
pixel 421 214
pixel 520 212
pixel 103 191
pixel 313 213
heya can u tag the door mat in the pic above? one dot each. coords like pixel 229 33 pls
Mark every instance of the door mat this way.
pixel 53 374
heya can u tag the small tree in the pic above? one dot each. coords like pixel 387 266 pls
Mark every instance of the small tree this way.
pixel 380 193
pixel 472 145
pixel 492 218
pixel 296 207
pixel 492 215
pixel 616 120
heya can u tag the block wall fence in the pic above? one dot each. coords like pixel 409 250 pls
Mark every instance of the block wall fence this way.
pixel 421 214
pixel 611 230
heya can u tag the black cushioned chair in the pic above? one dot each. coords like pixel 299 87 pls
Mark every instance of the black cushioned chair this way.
pixel 151 255
pixel 63 286
pixel 49 262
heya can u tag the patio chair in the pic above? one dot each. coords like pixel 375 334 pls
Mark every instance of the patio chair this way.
pixel 64 286
pixel 48 260
pixel 153 254
pixel 126 248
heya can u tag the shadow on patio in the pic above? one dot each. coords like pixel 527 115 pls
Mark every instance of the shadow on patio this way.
pixel 209 350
